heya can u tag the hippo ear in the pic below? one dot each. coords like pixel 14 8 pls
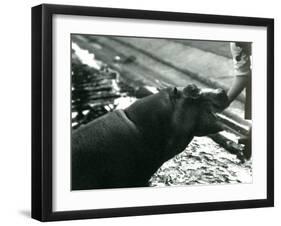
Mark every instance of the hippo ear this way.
pixel 191 91
pixel 175 91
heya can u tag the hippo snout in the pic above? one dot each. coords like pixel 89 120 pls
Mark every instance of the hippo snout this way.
pixel 217 98
pixel 221 99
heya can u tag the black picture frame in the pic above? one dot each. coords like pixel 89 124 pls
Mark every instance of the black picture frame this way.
pixel 42 106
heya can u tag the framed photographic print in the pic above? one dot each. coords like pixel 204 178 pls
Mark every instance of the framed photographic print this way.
pixel 145 112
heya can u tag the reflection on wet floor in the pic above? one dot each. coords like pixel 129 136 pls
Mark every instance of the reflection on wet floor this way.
pixel 203 162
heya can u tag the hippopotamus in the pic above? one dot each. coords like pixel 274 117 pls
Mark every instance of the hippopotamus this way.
pixel 124 148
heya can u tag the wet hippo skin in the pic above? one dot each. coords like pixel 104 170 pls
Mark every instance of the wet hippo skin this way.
pixel 124 148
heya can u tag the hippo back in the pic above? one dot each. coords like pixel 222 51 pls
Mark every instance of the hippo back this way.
pixel 104 152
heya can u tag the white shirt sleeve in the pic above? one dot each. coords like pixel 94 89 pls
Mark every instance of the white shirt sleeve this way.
pixel 241 60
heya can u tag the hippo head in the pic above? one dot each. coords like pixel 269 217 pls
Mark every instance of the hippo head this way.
pixel 194 109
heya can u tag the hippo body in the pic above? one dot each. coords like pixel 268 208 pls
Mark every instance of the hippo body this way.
pixel 124 148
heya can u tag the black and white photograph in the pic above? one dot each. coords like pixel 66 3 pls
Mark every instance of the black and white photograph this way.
pixel 141 112
pixel 158 112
